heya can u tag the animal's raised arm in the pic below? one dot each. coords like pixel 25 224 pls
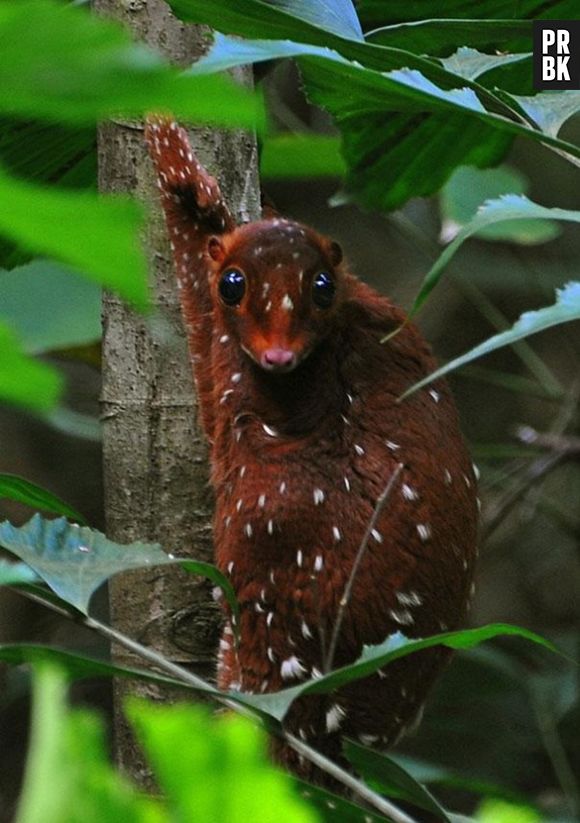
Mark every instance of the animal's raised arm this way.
pixel 194 211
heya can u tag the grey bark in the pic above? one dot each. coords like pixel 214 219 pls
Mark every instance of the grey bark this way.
pixel 155 459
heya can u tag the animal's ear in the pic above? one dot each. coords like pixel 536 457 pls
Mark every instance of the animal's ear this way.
pixel 335 253
pixel 215 249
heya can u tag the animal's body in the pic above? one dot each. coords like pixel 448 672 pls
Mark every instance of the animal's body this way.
pixel 299 399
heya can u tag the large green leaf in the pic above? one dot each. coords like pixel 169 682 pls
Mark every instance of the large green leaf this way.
pixel 379 10
pixel 437 36
pixel 69 777
pixel 385 775
pixel 17 488
pixel 23 381
pixel 375 657
pixel 403 134
pixel 63 63
pixel 565 309
pixel 96 235
pixel 504 209
pixel 74 561
pixel 71 306
pixel 222 772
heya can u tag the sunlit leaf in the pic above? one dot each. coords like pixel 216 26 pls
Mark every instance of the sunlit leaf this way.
pixel 69 776
pixel 222 772
pixel 17 488
pixel 565 309
pixel 499 811
pixel 24 381
pixel 64 63
pixel 94 234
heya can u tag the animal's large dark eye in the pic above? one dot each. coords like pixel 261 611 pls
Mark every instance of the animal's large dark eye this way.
pixel 232 287
pixel 323 290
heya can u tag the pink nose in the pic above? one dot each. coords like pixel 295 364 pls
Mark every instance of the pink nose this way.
pixel 278 359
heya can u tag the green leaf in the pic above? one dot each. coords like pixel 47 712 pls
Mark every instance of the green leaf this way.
pixel 386 776
pixel 23 381
pixel 63 63
pixel 375 657
pixel 68 774
pixel 74 561
pixel 506 208
pixel 471 64
pixel 16 574
pixel 548 111
pixel 17 488
pixel 337 16
pixel 77 666
pixel 468 188
pixel 565 309
pixel 403 133
pixel 379 10
pixel 301 155
pixel 437 36
pixel 96 235
pixel 71 306
pixel 222 772
pixel 499 811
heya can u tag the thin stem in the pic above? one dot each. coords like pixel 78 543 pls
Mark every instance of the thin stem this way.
pixel 345 599
pixel 382 805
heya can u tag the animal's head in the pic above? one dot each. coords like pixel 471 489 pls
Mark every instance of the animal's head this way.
pixel 276 287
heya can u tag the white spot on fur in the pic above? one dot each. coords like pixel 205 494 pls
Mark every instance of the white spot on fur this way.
pixel 424 531
pixel 287 303
pixel 318 496
pixel 409 492
pixel 292 669
pixel 334 717
pixel 403 617
pixel 336 533
pixel 318 563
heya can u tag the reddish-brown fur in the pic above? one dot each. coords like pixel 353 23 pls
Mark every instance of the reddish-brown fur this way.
pixel 300 457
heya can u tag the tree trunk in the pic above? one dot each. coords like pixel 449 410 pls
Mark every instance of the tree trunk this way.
pixel 155 460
